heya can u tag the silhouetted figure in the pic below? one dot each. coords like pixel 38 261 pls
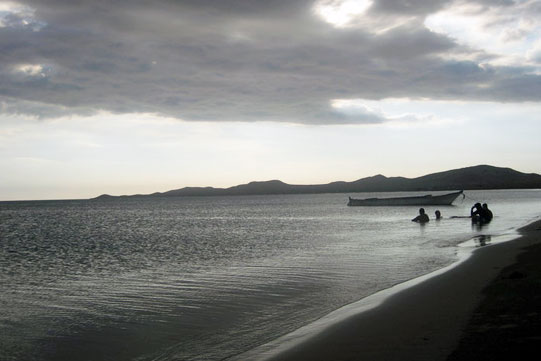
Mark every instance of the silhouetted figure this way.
pixel 480 214
pixel 422 217
pixel 476 210
pixel 487 213
pixel 438 215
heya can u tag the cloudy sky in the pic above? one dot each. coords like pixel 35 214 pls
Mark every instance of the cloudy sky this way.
pixel 126 97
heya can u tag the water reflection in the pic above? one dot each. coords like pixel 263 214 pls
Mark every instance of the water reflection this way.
pixel 201 278
pixel 483 240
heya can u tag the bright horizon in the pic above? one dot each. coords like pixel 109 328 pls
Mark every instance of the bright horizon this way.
pixel 129 98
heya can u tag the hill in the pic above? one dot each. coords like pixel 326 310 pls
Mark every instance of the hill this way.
pixel 472 178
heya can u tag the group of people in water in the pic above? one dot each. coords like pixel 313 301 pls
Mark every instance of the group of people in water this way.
pixel 479 214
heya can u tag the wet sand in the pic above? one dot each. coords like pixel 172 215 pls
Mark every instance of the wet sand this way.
pixel 487 307
pixel 506 325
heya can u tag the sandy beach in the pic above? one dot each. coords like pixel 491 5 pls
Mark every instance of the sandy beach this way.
pixel 487 307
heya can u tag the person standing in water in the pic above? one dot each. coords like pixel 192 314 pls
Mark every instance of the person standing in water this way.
pixel 476 210
pixel 422 217
pixel 480 213
pixel 438 215
pixel 487 213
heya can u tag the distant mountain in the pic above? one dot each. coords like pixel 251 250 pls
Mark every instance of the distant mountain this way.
pixel 477 177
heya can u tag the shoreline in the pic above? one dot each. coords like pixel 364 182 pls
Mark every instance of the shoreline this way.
pixel 420 319
pixel 506 324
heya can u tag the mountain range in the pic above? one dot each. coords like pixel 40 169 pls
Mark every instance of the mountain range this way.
pixel 477 177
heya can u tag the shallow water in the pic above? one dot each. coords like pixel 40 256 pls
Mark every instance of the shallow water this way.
pixel 207 278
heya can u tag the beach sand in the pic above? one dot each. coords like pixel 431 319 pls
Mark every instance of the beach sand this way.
pixel 487 307
pixel 506 325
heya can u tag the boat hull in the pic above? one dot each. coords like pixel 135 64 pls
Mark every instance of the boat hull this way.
pixel 427 200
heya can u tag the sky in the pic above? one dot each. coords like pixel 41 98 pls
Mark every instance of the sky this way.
pixel 126 97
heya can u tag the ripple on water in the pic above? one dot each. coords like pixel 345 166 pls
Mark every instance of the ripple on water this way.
pixel 201 278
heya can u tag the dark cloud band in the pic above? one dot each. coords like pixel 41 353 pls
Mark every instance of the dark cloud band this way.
pixel 235 60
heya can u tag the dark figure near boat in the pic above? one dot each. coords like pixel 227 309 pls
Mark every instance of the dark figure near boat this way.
pixel 488 213
pixel 438 215
pixel 422 217
pixel 480 213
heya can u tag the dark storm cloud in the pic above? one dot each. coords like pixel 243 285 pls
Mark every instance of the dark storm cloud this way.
pixel 232 60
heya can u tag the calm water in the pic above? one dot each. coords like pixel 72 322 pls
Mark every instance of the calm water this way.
pixel 208 278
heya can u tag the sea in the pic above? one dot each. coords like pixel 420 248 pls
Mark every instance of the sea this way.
pixel 209 278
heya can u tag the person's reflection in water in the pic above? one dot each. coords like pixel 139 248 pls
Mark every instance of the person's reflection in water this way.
pixel 484 239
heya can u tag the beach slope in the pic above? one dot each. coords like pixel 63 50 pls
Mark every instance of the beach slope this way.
pixel 431 319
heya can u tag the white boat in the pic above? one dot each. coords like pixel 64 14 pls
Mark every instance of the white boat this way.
pixel 427 200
